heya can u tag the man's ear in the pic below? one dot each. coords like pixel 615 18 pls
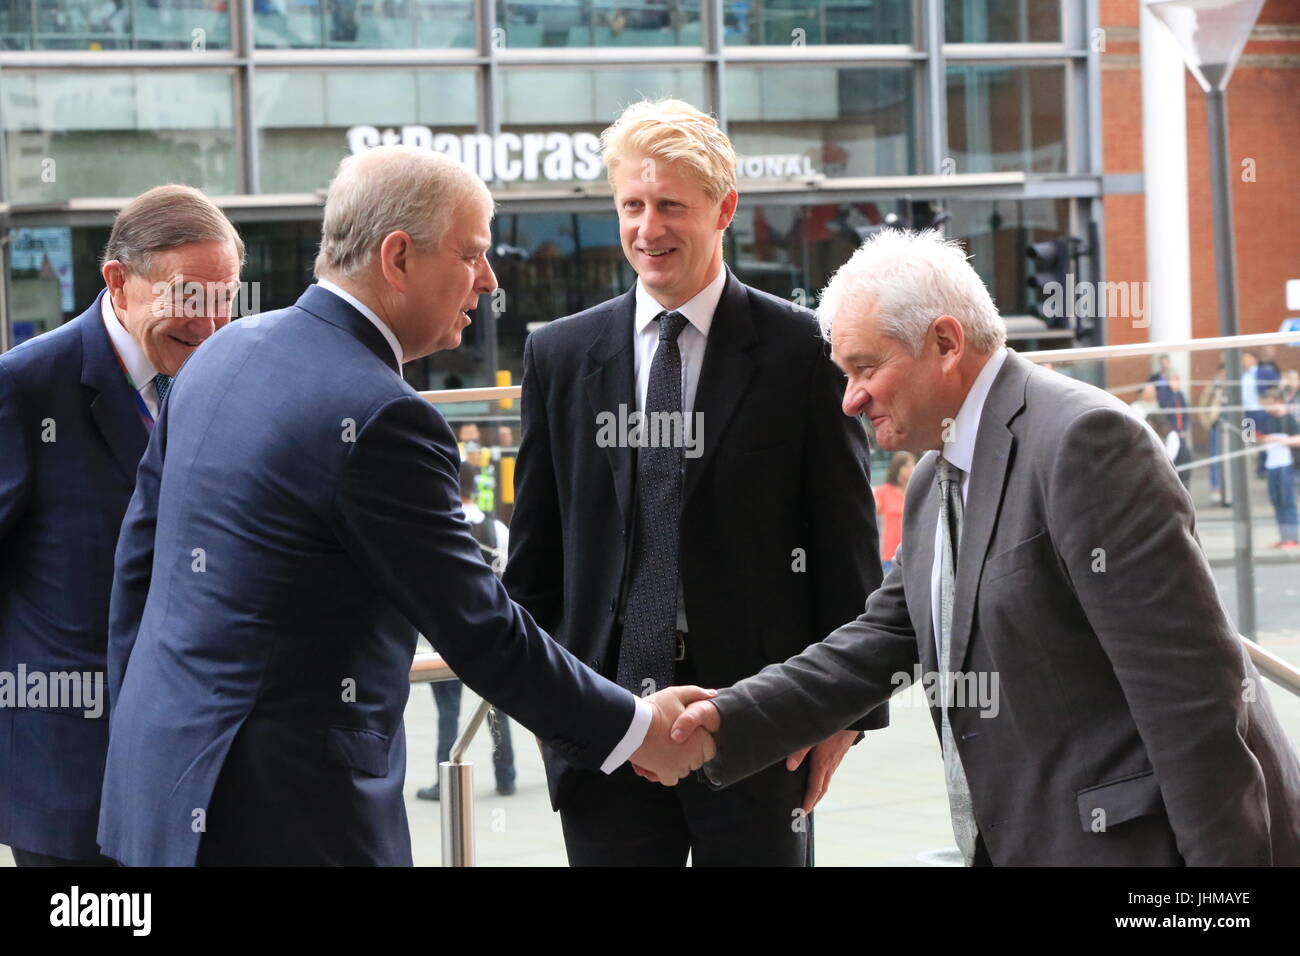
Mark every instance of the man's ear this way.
pixel 950 338
pixel 114 274
pixel 727 212
pixel 395 259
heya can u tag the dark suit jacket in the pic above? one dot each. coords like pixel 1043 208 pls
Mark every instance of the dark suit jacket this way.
pixel 782 479
pixel 61 506
pixel 1128 725
pixel 297 518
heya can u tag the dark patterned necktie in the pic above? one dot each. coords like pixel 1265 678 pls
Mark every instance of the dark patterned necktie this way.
pixel 162 383
pixel 649 644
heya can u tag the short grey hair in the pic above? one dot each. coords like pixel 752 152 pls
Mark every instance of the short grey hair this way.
pixel 387 189
pixel 912 278
pixel 164 218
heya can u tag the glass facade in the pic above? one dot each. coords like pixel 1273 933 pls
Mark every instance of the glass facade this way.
pixel 845 118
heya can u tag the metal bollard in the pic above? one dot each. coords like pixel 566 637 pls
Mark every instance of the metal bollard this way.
pixel 456 789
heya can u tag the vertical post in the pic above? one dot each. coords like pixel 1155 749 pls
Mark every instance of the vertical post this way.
pixel 1225 269
pixel 456 793
pixel 934 113
pixel 243 42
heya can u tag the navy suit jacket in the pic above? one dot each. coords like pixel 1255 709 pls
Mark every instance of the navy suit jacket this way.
pixel 297 517
pixel 70 441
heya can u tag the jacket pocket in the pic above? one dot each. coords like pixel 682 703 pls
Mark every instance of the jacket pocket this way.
pixel 1032 552
pixel 1109 804
pixel 363 750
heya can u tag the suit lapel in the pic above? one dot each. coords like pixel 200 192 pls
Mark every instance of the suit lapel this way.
pixel 112 407
pixel 988 479
pixel 610 383
pixel 726 373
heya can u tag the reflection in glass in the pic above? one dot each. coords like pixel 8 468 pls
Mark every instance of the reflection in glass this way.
pixel 602 23
pixel 311 119
pixel 1007 118
pixel 114 25
pixel 996 234
pixel 1002 21
pixel 364 24
pixel 847 121
pixel 117 136
pixel 799 22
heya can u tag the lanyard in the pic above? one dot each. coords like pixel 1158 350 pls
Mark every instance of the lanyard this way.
pixel 141 407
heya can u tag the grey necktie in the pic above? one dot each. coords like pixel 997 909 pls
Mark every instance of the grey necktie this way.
pixel 649 643
pixel 964 827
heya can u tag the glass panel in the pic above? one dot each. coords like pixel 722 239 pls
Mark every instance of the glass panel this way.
pixel 600 23
pixel 311 119
pixel 799 22
pixel 119 135
pixel 557 116
pixel 846 121
pixel 364 24
pixel 1007 118
pixel 1002 21
pixel 997 233
pixel 114 25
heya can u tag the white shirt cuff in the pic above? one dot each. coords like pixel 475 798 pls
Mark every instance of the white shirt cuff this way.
pixel 633 739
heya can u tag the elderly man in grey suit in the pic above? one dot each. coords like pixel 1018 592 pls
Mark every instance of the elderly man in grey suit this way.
pixel 1092 700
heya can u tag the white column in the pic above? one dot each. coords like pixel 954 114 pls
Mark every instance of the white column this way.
pixel 1164 168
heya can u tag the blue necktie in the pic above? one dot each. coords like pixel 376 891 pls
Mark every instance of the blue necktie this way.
pixel 162 383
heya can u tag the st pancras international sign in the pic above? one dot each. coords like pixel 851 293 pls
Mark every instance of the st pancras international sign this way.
pixel 548 157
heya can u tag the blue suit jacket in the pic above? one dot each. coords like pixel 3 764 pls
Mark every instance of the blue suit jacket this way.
pixel 61 505
pixel 297 518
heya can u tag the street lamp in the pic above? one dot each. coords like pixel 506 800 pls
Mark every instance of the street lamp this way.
pixel 1211 35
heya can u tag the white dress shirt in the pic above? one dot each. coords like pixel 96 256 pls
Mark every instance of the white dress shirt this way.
pixel 960 452
pixel 132 355
pixel 691 343
pixel 644 713
pixel 369 313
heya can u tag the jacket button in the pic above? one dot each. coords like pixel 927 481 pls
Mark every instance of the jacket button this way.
pixel 613 604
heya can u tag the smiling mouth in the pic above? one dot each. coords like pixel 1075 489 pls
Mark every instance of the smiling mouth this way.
pixel 188 345
pixel 657 253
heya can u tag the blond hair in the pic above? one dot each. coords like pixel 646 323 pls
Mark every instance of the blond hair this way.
pixel 677 132
pixel 389 189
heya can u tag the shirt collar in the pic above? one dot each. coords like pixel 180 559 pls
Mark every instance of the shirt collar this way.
pixel 128 349
pixel 698 311
pixel 369 313
pixel 960 452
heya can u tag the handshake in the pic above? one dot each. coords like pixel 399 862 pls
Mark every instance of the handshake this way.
pixel 680 738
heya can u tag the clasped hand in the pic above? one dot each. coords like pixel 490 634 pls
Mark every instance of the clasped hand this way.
pixel 665 758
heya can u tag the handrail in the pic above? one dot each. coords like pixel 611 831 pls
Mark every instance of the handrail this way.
pixel 1273 667
pixel 1155 348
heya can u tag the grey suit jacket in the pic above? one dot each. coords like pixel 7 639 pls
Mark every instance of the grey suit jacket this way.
pixel 1128 726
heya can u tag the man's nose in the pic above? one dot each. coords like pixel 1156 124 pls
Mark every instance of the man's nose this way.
pixel 855 399
pixel 652 225
pixel 487 279
pixel 200 327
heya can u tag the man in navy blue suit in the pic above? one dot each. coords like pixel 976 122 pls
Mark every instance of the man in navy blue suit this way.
pixel 76 407
pixel 296 519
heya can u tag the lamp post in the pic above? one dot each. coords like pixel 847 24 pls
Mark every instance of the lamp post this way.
pixel 1211 35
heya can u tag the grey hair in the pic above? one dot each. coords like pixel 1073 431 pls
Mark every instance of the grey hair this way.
pixel 164 218
pixel 387 189
pixel 912 278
